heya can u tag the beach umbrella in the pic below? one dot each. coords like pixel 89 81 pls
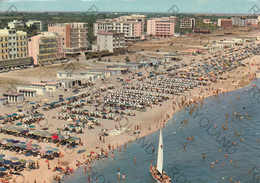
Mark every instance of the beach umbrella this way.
pixel 19 124
pixel 32 103
pixel 10 140
pixel 66 137
pixel 29 147
pixel 1 160
pixel 35 145
pixel 16 141
pixel 32 126
pixel 45 128
pixel 8 157
pixel 14 158
pixel 74 138
pixel 47 147
pixel 17 163
pixel 25 131
pixel 9 144
pixel 70 140
pixel 71 126
pixel 35 150
pixel 55 150
pixel 22 160
pixel 23 146
pixel 49 152
pixel 55 137
pixel 61 136
pixel 69 120
pixel 3 169
pixel 15 114
pixel 7 162
pixel 2 155
pixel 4 142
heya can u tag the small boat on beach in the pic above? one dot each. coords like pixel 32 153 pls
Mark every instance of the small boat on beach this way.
pixel 157 171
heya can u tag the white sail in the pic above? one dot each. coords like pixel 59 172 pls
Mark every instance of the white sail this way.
pixel 160 154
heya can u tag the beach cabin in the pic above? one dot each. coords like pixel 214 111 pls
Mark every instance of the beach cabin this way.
pixel 69 83
pixel 106 72
pixel 31 91
pixel 28 93
pixel 14 97
pixel 53 87
pixel 117 70
pixel 90 76
pixel 64 74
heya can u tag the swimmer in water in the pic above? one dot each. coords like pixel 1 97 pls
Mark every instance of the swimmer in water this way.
pixel 226 155
pixel 203 156
pixel 258 140
pixel 242 140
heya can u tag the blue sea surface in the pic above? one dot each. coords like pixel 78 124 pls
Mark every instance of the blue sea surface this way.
pixel 188 165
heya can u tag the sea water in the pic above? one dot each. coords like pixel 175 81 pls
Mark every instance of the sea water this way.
pixel 188 165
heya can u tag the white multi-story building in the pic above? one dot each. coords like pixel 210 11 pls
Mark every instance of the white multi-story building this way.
pixel 36 23
pixel 241 22
pixel 110 40
pixel 131 30
pixel 134 18
pixel 15 23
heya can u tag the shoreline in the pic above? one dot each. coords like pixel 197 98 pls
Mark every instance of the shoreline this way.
pixel 170 112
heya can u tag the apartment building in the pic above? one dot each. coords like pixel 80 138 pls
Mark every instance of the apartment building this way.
pixel 187 22
pixel 225 23
pixel 160 27
pixel 15 23
pixel 36 23
pixel 74 36
pixel 239 21
pixel 13 44
pixel 45 48
pixel 134 18
pixel 131 30
pixel 110 40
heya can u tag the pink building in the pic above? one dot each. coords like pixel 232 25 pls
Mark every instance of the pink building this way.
pixel 74 36
pixel 45 48
pixel 160 27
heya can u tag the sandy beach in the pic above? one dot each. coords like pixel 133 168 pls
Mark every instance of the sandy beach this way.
pixel 148 122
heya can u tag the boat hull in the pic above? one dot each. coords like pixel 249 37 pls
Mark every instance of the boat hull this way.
pixel 156 179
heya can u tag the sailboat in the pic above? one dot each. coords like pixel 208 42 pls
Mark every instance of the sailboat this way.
pixel 157 171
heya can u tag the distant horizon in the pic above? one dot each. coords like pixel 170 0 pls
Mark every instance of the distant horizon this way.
pixel 220 7
pixel 139 13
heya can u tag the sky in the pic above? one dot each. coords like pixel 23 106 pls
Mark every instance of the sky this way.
pixel 174 6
